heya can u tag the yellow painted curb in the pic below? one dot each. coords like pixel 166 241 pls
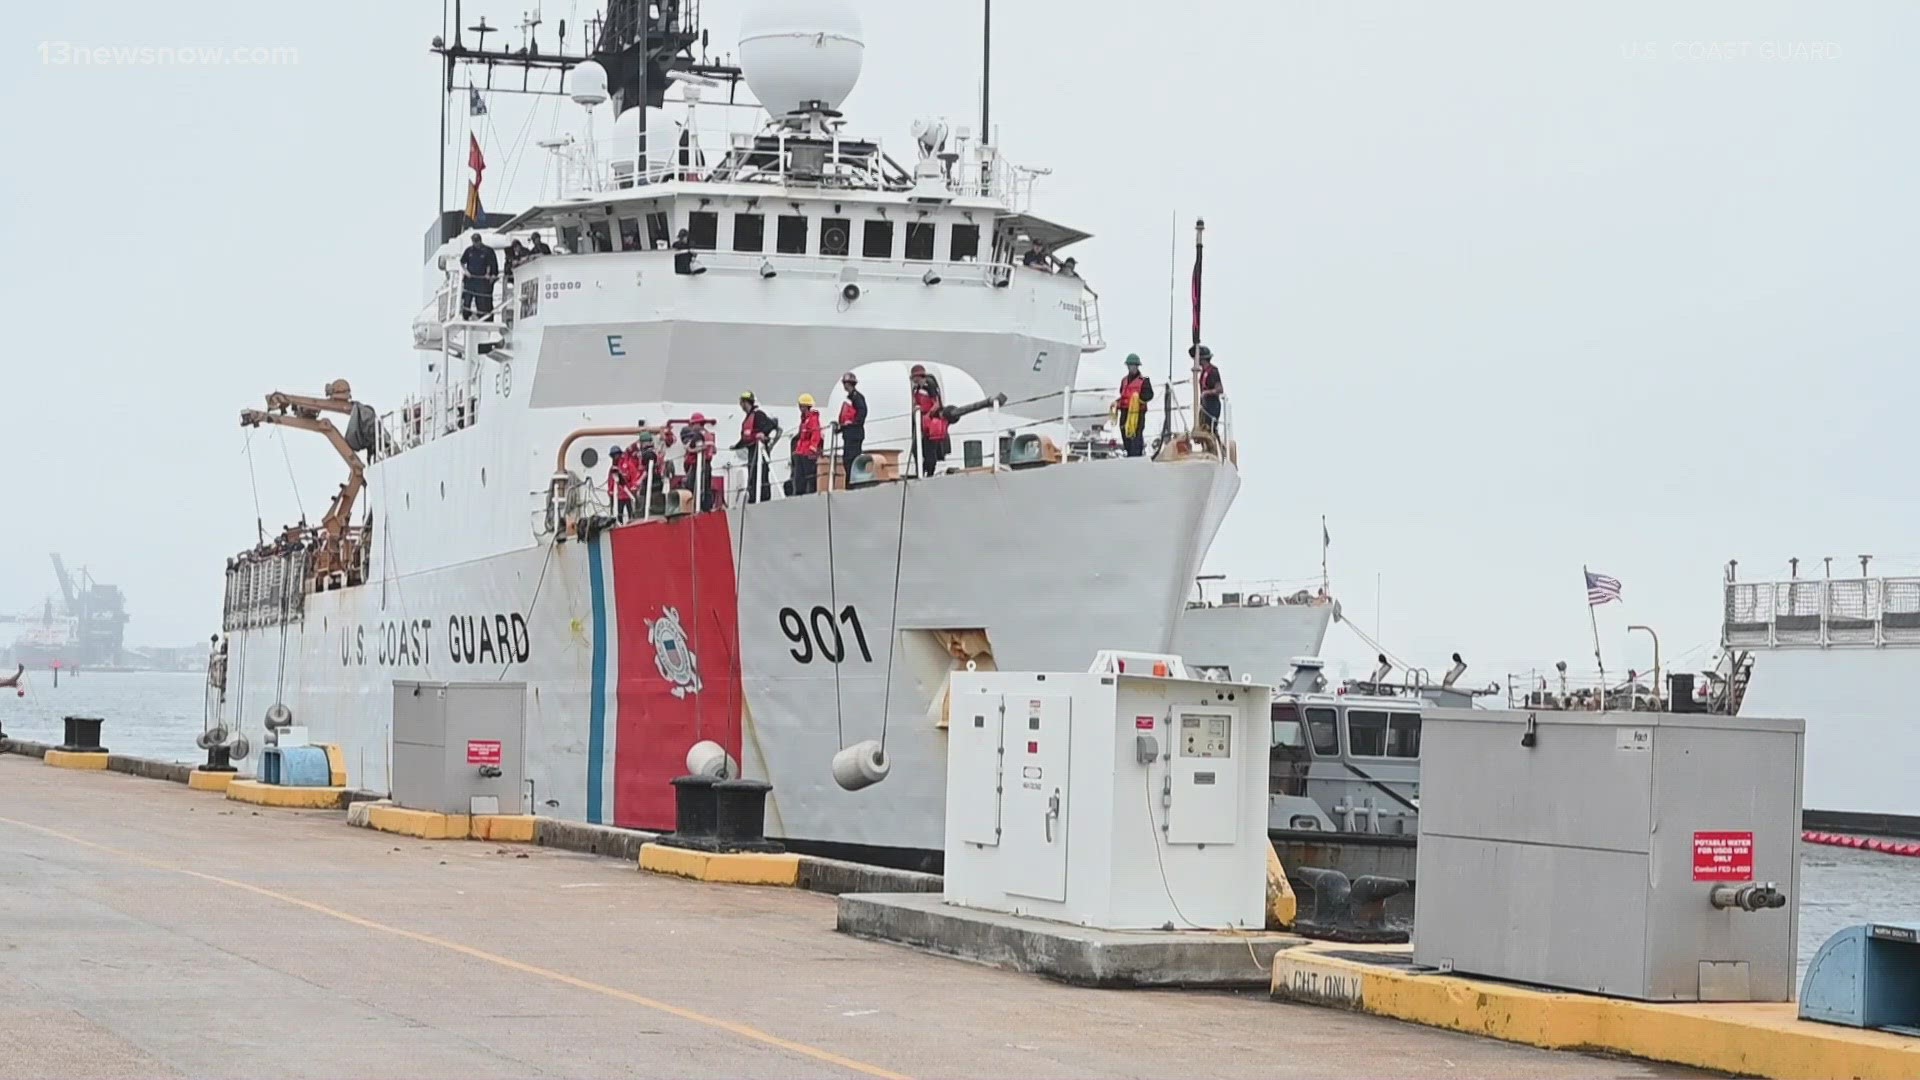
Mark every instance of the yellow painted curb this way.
pixel 424 824
pixel 429 825
pixel 741 868
pixel 1744 1039
pixel 77 759
pixel 501 828
pixel 209 781
pixel 287 798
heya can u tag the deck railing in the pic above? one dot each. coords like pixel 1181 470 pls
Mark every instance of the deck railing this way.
pixel 1822 612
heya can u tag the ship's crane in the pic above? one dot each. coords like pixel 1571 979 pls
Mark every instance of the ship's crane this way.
pixel 302 413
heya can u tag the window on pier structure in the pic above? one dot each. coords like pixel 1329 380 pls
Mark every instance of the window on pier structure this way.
pixel 835 235
pixel 703 230
pixel 659 231
pixel 792 236
pixel 750 232
pixel 965 245
pixel 920 241
pixel 878 243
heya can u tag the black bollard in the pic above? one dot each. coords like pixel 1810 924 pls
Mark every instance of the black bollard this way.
pixel 219 759
pixel 1348 911
pixel 740 808
pixel 693 813
pixel 82 735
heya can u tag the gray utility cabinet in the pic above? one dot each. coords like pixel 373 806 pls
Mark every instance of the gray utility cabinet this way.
pixel 1588 859
pixel 458 748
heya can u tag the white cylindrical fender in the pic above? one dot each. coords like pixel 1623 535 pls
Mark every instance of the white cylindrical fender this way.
pixel 861 765
pixel 709 758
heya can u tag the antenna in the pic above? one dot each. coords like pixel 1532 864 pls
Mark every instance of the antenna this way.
pixel 986 72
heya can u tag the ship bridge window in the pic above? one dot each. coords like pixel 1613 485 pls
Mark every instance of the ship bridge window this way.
pixel 1285 721
pixel 1324 731
pixel 703 230
pixel 965 244
pixel 659 235
pixel 750 232
pixel 629 234
pixel 570 238
pixel 1403 735
pixel 1366 733
pixel 920 241
pixel 878 242
pixel 791 239
pixel 834 235
pixel 599 236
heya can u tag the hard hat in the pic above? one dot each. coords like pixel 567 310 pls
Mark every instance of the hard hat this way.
pixel 918 369
pixel 807 400
pixel 1200 352
pixel 697 418
pixel 619 451
pixel 849 377
pixel 746 395
pixel 1133 359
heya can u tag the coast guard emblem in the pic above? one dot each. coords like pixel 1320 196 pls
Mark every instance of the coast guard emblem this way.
pixel 671 653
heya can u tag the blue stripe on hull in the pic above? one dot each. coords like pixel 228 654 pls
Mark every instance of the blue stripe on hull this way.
pixel 597 699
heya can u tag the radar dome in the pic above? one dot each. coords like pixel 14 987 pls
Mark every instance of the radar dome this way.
pixel 589 84
pixel 797 51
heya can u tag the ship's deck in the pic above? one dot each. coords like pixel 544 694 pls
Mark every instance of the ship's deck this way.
pixel 155 931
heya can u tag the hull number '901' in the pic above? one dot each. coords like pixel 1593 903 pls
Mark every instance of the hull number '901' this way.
pixel 818 633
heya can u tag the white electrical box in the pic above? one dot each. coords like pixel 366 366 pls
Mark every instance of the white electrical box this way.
pixel 1128 797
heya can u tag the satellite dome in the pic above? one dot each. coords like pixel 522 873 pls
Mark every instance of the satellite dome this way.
pixel 589 84
pixel 797 51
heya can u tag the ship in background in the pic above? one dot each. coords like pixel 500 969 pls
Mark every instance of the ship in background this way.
pixel 83 628
pixel 473 540
pixel 1840 653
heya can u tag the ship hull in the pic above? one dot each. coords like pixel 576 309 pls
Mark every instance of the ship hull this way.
pixel 784 632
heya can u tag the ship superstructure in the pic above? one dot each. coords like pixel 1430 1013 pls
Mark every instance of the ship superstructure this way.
pixel 1839 653
pixel 475 539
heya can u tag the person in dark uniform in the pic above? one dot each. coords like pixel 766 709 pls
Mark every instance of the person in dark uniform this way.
pixel 480 266
pixel 1212 390
pixel 537 246
pixel 1136 390
pixel 757 434
pixel 684 261
pixel 852 424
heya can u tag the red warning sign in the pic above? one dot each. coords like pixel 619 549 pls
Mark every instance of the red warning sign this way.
pixel 1723 856
pixel 483 751
pixel 1143 723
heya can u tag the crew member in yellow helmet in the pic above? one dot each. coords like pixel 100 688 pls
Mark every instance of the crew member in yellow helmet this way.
pixel 807 441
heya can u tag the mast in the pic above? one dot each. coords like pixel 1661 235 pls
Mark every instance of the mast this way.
pixel 1199 261
pixel 986 74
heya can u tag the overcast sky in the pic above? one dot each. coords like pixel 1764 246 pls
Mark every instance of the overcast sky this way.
pixel 1499 288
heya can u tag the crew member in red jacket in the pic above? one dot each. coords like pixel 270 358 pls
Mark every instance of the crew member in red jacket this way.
pixel 807 441
pixel 852 424
pixel 1136 390
pixel 929 407
pixel 696 464
pixel 757 434
pixel 620 483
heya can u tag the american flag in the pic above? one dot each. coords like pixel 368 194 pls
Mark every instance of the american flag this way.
pixel 1601 589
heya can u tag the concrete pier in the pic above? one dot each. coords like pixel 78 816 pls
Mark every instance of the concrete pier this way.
pixel 147 929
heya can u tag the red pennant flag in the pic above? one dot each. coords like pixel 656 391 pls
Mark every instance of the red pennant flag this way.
pixel 475 159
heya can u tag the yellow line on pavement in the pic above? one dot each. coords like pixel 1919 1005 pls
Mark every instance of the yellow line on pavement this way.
pixel 742 1030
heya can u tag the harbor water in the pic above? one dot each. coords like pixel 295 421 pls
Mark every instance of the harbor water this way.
pixel 158 714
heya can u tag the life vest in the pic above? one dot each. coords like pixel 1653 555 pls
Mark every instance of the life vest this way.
pixel 807 440
pixel 932 423
pixel 849 415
